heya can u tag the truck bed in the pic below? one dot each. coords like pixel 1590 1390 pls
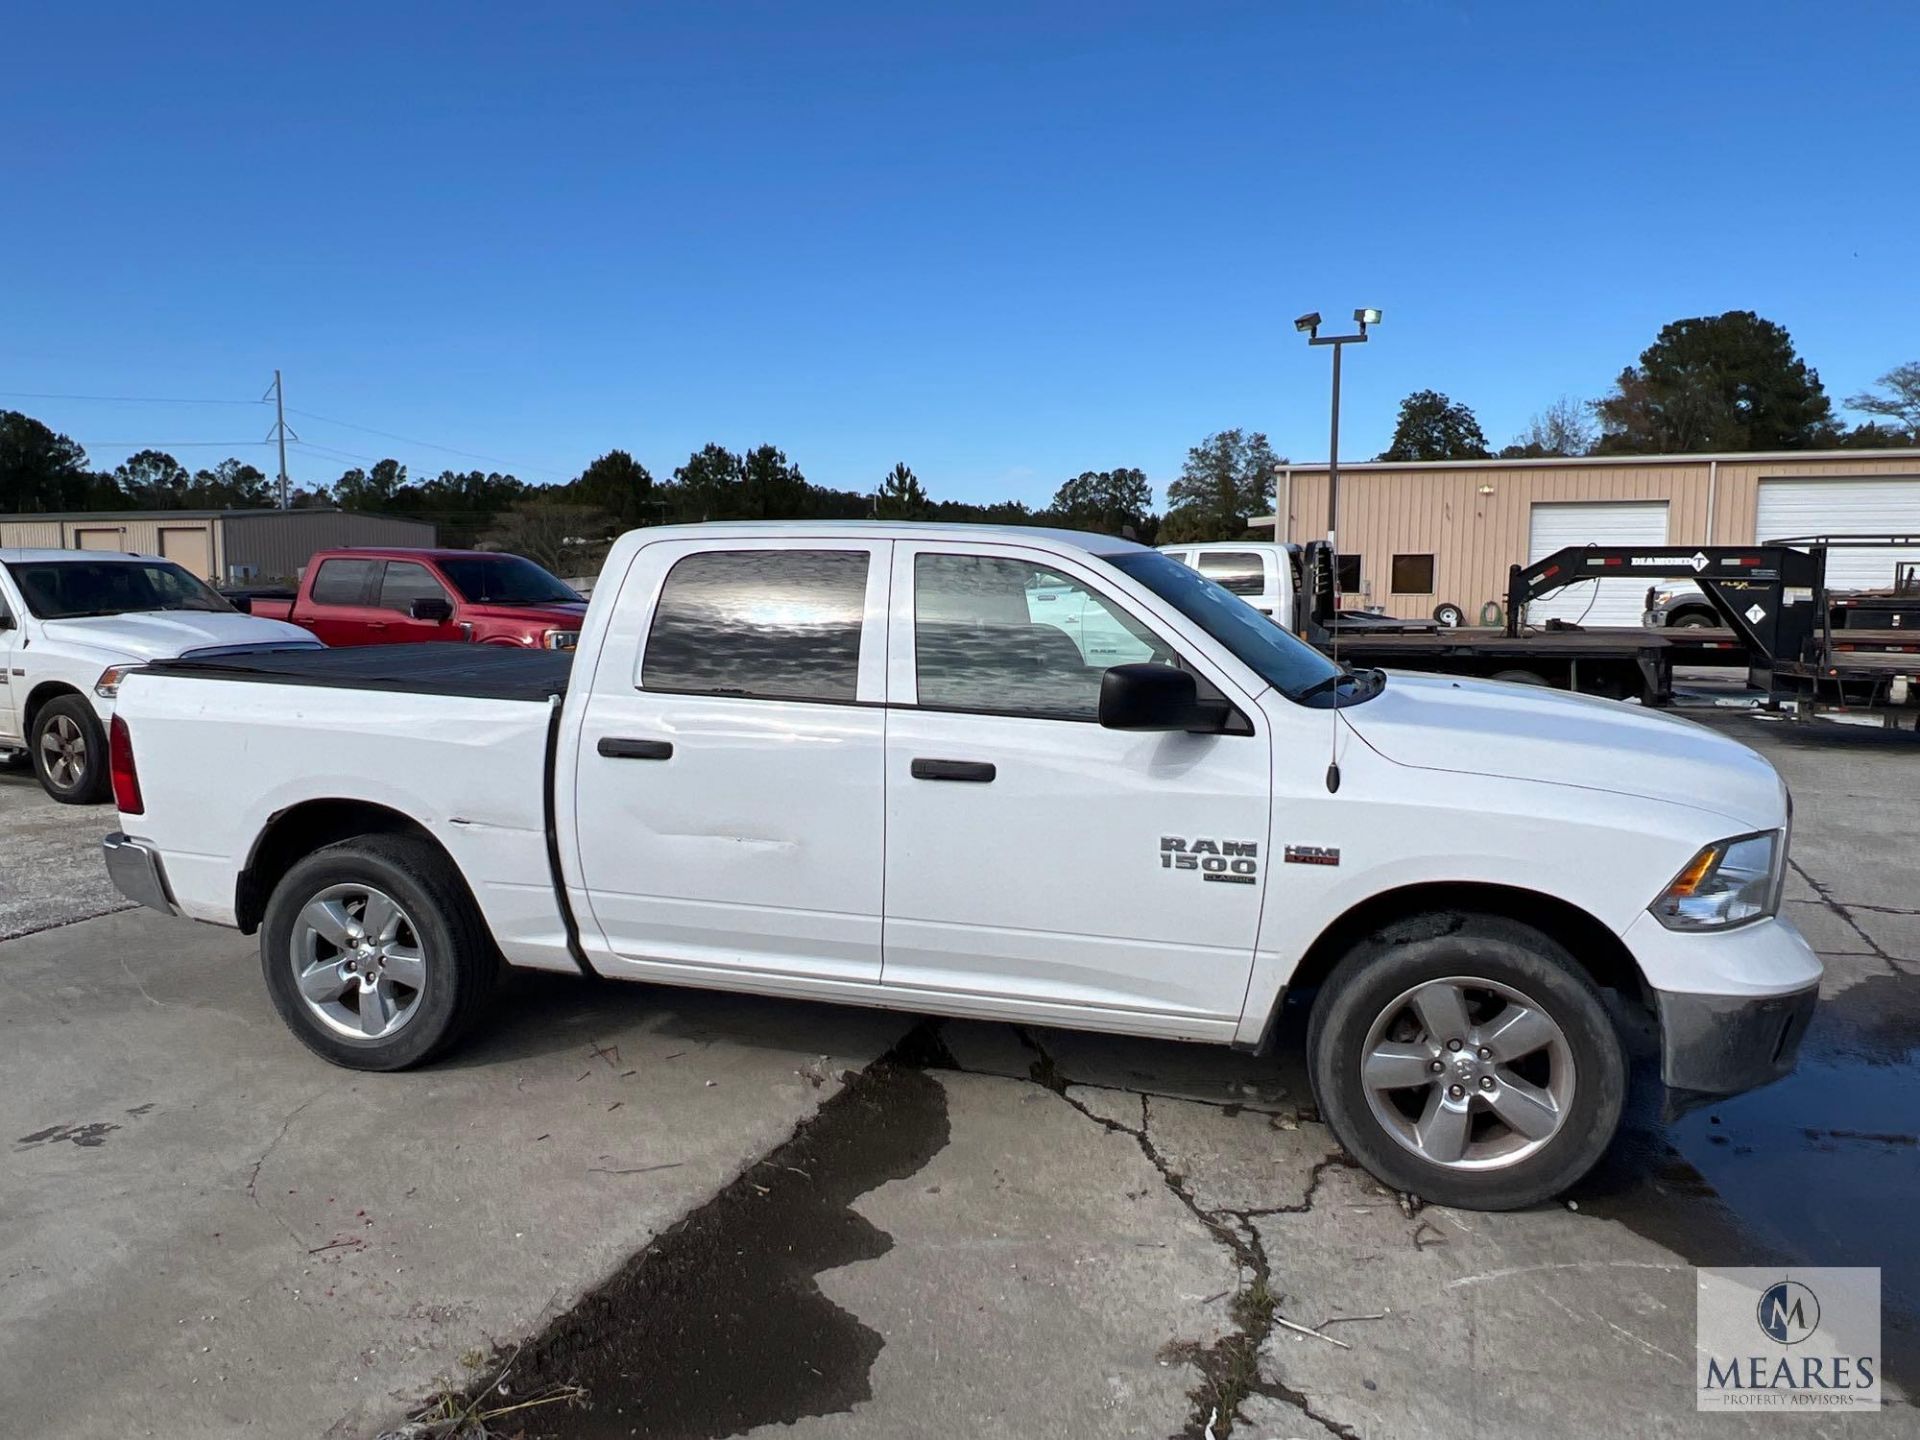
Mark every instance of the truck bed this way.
pixel 483 672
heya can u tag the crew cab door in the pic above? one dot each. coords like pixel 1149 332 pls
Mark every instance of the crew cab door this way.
pixel 337 604
pixel 401 583
pixel 1032 856
pixel 727 798
pixel 12 687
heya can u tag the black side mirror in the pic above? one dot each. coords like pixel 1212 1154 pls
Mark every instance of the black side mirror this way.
pixel 431 607
pixel 1154 697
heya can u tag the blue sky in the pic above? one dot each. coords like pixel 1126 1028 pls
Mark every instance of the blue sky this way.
pixel 1004 243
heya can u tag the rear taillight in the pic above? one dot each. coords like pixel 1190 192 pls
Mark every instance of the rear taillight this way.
pixel 126 779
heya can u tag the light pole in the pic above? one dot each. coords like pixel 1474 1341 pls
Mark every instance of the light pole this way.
pixel 1309 325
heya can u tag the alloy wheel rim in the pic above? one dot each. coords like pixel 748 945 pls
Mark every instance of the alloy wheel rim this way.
pixel 358 962
pixel 63 751
pixel 1468 1073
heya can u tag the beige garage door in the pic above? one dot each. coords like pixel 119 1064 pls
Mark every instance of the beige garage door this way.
pixel 190 547
pixel 97 537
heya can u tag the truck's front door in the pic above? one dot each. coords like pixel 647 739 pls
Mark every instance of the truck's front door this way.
pixel 727 785
pixel 1033 856
pixel 12 687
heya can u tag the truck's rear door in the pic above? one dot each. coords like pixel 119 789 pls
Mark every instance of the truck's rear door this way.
pixel 728 781
pixel 337 604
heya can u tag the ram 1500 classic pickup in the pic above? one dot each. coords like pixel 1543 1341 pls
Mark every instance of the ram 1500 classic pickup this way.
pixel 402 597
pixel 857 763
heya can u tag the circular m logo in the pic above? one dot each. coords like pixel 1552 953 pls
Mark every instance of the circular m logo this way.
pixel 1788 1312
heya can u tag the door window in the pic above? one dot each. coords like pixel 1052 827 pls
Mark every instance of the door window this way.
pixel 767 624
pixel 342 582
pixel 1007 637
pixel 1236 571
pixel 404 582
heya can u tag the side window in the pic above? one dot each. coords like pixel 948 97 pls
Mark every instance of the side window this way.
pixel 1412 574
pixel 1349 574
pixel 342 582
pixel 1008 637
pixel 404 582
pixel 768 624
pixel 1237 571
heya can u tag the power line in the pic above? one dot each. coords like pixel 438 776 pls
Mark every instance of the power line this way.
pixel 426 444
pixel 122 399
pixel 163 444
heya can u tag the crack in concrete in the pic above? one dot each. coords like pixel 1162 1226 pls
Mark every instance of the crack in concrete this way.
pixel 253 1175
pixel 1844 912
pixel 1230 1367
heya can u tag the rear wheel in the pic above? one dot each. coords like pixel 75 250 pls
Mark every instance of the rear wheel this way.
pixel 1468 1060
pixel 375 954
pixel 69 751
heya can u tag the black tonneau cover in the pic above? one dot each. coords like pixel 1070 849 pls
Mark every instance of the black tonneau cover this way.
pixel 485 672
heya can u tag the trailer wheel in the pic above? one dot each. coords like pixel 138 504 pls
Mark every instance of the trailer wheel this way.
pixel 1521 677
pixel 375 954
pixel 1467 1059
pixel 1450 615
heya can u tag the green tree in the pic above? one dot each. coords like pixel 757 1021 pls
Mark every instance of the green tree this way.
pixel 374 489
pixel 153 480
pixel 40 470
pixel 1113 502
pixel 1561 429
pixel 1900 404
pixel 230 485
pixel 710 484
pixel 900 496
pixel 618 484
pixel 1228 479
pixel 567 539
pixel 771 486
pixel 1432 427
pixel 1716 383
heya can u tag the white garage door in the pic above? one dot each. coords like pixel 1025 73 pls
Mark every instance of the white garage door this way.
pixel 1557 525
pixel 1844 507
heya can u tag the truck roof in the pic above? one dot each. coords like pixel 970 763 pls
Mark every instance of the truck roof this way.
pixel 22 556
pixel 892 530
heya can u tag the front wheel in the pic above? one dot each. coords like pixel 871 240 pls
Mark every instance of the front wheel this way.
pixel 70 752
pixel 375 954
pixel 1467 1059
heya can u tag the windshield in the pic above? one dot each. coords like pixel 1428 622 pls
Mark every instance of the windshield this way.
pixel 506 580
pixel 1291 666
pixel 66 589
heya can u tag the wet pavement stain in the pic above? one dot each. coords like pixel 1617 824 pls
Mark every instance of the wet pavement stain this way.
pixel 718 1326
pixel 86 1136
pixel 1819 1168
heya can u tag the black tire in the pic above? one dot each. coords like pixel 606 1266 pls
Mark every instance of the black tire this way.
pixel 1694 620
pixel 1451 616
pixel 1521 677
pixel 68 726
pixel 1389 964
pixel 460 963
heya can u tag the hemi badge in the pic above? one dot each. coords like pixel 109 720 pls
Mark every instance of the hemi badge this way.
pixel 1312 855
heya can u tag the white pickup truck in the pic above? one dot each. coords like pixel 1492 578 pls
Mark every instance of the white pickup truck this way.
pixel 847 762
pixel 72 624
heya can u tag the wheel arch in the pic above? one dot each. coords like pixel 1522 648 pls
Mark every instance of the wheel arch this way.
pixel 1594 946
pixel 40 696
pixel 296 832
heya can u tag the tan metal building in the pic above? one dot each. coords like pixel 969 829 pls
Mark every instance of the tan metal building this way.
pixel 223 546
pixel 1415 536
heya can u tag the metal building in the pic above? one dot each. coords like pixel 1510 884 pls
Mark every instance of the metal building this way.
pixel 223 546
pixel 1416 536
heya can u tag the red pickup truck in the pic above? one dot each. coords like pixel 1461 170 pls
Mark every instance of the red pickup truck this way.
pixel 393 597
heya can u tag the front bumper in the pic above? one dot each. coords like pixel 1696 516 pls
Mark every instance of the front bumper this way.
pixel 137 873
pixel 1723 1044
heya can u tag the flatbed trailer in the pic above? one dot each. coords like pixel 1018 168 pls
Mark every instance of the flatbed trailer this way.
pixel 1616 662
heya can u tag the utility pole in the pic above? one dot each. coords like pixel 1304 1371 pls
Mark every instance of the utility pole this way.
pixel 281 433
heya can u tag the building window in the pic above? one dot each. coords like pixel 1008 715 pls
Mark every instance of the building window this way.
pixel 1348 572
pixel 760 624
pixel 1413 574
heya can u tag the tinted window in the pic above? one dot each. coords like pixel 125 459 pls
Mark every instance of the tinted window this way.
pixel 1349 574
pixel 506 580
pixel 1010 638
pixel 1413 574
pixel 342 582
pixel 1237 571
pixel 404 582
pixel 778 624
pixel 62 589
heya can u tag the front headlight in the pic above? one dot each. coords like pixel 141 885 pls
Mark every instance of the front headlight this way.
pixel 1728 883
pixel 108 685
